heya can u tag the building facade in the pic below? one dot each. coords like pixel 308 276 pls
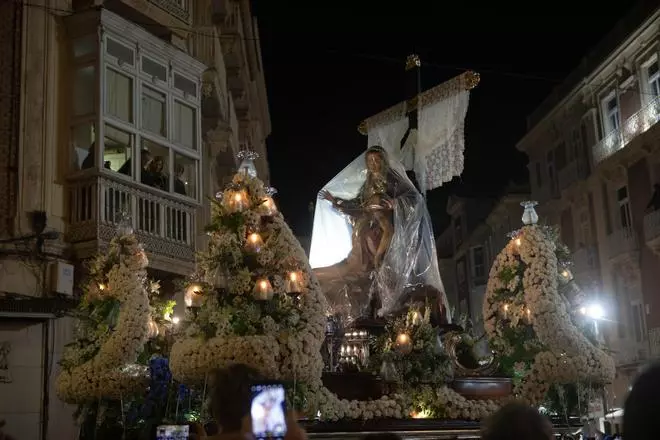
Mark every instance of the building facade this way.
pixel 468 248
pixel 92 94
pixel 593 149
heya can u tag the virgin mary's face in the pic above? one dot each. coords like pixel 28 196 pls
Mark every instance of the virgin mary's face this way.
pixel 374 162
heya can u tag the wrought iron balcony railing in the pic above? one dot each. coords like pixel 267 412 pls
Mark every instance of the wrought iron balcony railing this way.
pixel 164 223
pixel 635 125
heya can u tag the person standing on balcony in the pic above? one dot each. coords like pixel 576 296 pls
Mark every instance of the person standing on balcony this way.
pixel 145 159
pixel 155 174
pixel 179 184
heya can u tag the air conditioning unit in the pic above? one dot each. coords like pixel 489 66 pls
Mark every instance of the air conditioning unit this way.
pixel 62 278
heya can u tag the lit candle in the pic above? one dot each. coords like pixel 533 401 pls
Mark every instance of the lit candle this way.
pixel 102 287
pixel 518 242
pixel 263 290
pixel 238 201
pixel 193 296
pixel 506 311
pixel 403 343
pixel 254 243
pixel 528 315
pixel 268 206
pixel 294 281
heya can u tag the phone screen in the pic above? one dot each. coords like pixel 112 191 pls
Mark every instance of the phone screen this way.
pixel 268 410
pixel 173 432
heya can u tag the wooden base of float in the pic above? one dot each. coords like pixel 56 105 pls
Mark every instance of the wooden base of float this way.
pixel 411 429
pixel 366 386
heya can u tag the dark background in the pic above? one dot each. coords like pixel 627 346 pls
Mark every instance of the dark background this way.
pixel 329 66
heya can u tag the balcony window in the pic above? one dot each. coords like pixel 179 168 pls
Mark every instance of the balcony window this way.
pixel 653 79
pixel 478 264
pixel 624 207
pixel 149 109
pixel 637 319
pixel 611 116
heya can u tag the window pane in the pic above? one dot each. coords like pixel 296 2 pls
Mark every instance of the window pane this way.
pixel 119 95
pixel 185 176
pixel 154 69
pixel 83 146
pixel 185 85
pixel 184 125
pixel 117 150
pixel 156 171
pixel 122 53
pixel 84 91
pixel 84 46
pixel 153 111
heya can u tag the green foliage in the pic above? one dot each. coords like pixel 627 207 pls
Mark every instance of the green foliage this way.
pixel 426 363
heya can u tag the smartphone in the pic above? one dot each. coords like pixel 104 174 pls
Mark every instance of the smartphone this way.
pixel 268 410
pixel 173 432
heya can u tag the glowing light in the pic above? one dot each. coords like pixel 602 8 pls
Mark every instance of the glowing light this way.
pixel 254 242
pixel 518 242
pixel 238 197
pixel 176 320
pixel 595 311
pixel 193 296
pixel 102 287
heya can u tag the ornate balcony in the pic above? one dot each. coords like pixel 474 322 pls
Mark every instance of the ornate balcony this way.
pixel 652 231
pixel 164 223
pixel 632 127
pixel 178 8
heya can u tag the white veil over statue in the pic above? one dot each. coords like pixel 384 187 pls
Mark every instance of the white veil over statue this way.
pixel 410 260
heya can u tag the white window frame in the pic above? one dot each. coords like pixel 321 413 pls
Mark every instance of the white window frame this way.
pixel 649 81
pixel 140 80
pixel 609 115
pixel 624 204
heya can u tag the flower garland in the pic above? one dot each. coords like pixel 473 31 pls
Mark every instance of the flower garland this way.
pixel 523 303
pixel 112 330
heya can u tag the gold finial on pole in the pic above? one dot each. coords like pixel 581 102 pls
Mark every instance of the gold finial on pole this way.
pixel 412 61
pixel 472 79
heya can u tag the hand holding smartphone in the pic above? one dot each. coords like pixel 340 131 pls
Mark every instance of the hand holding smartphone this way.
pixel 268 410
pixel 173 432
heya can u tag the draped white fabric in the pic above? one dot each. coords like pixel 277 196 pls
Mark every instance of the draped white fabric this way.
pixel 441 142
pixel 331 233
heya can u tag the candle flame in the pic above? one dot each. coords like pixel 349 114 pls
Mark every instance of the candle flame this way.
pixel 263 284
pixel 517 242
pixel 506 307
pixel 254 237
pixel 293 276
pixel 238 197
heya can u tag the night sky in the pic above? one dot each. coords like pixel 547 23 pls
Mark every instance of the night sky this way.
pixel 328 67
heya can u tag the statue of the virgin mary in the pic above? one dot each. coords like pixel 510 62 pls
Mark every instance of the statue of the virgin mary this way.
pixel 373 248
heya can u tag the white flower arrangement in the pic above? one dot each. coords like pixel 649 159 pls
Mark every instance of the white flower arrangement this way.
pixel 101 362
pixel 285 344
pixel 563 352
